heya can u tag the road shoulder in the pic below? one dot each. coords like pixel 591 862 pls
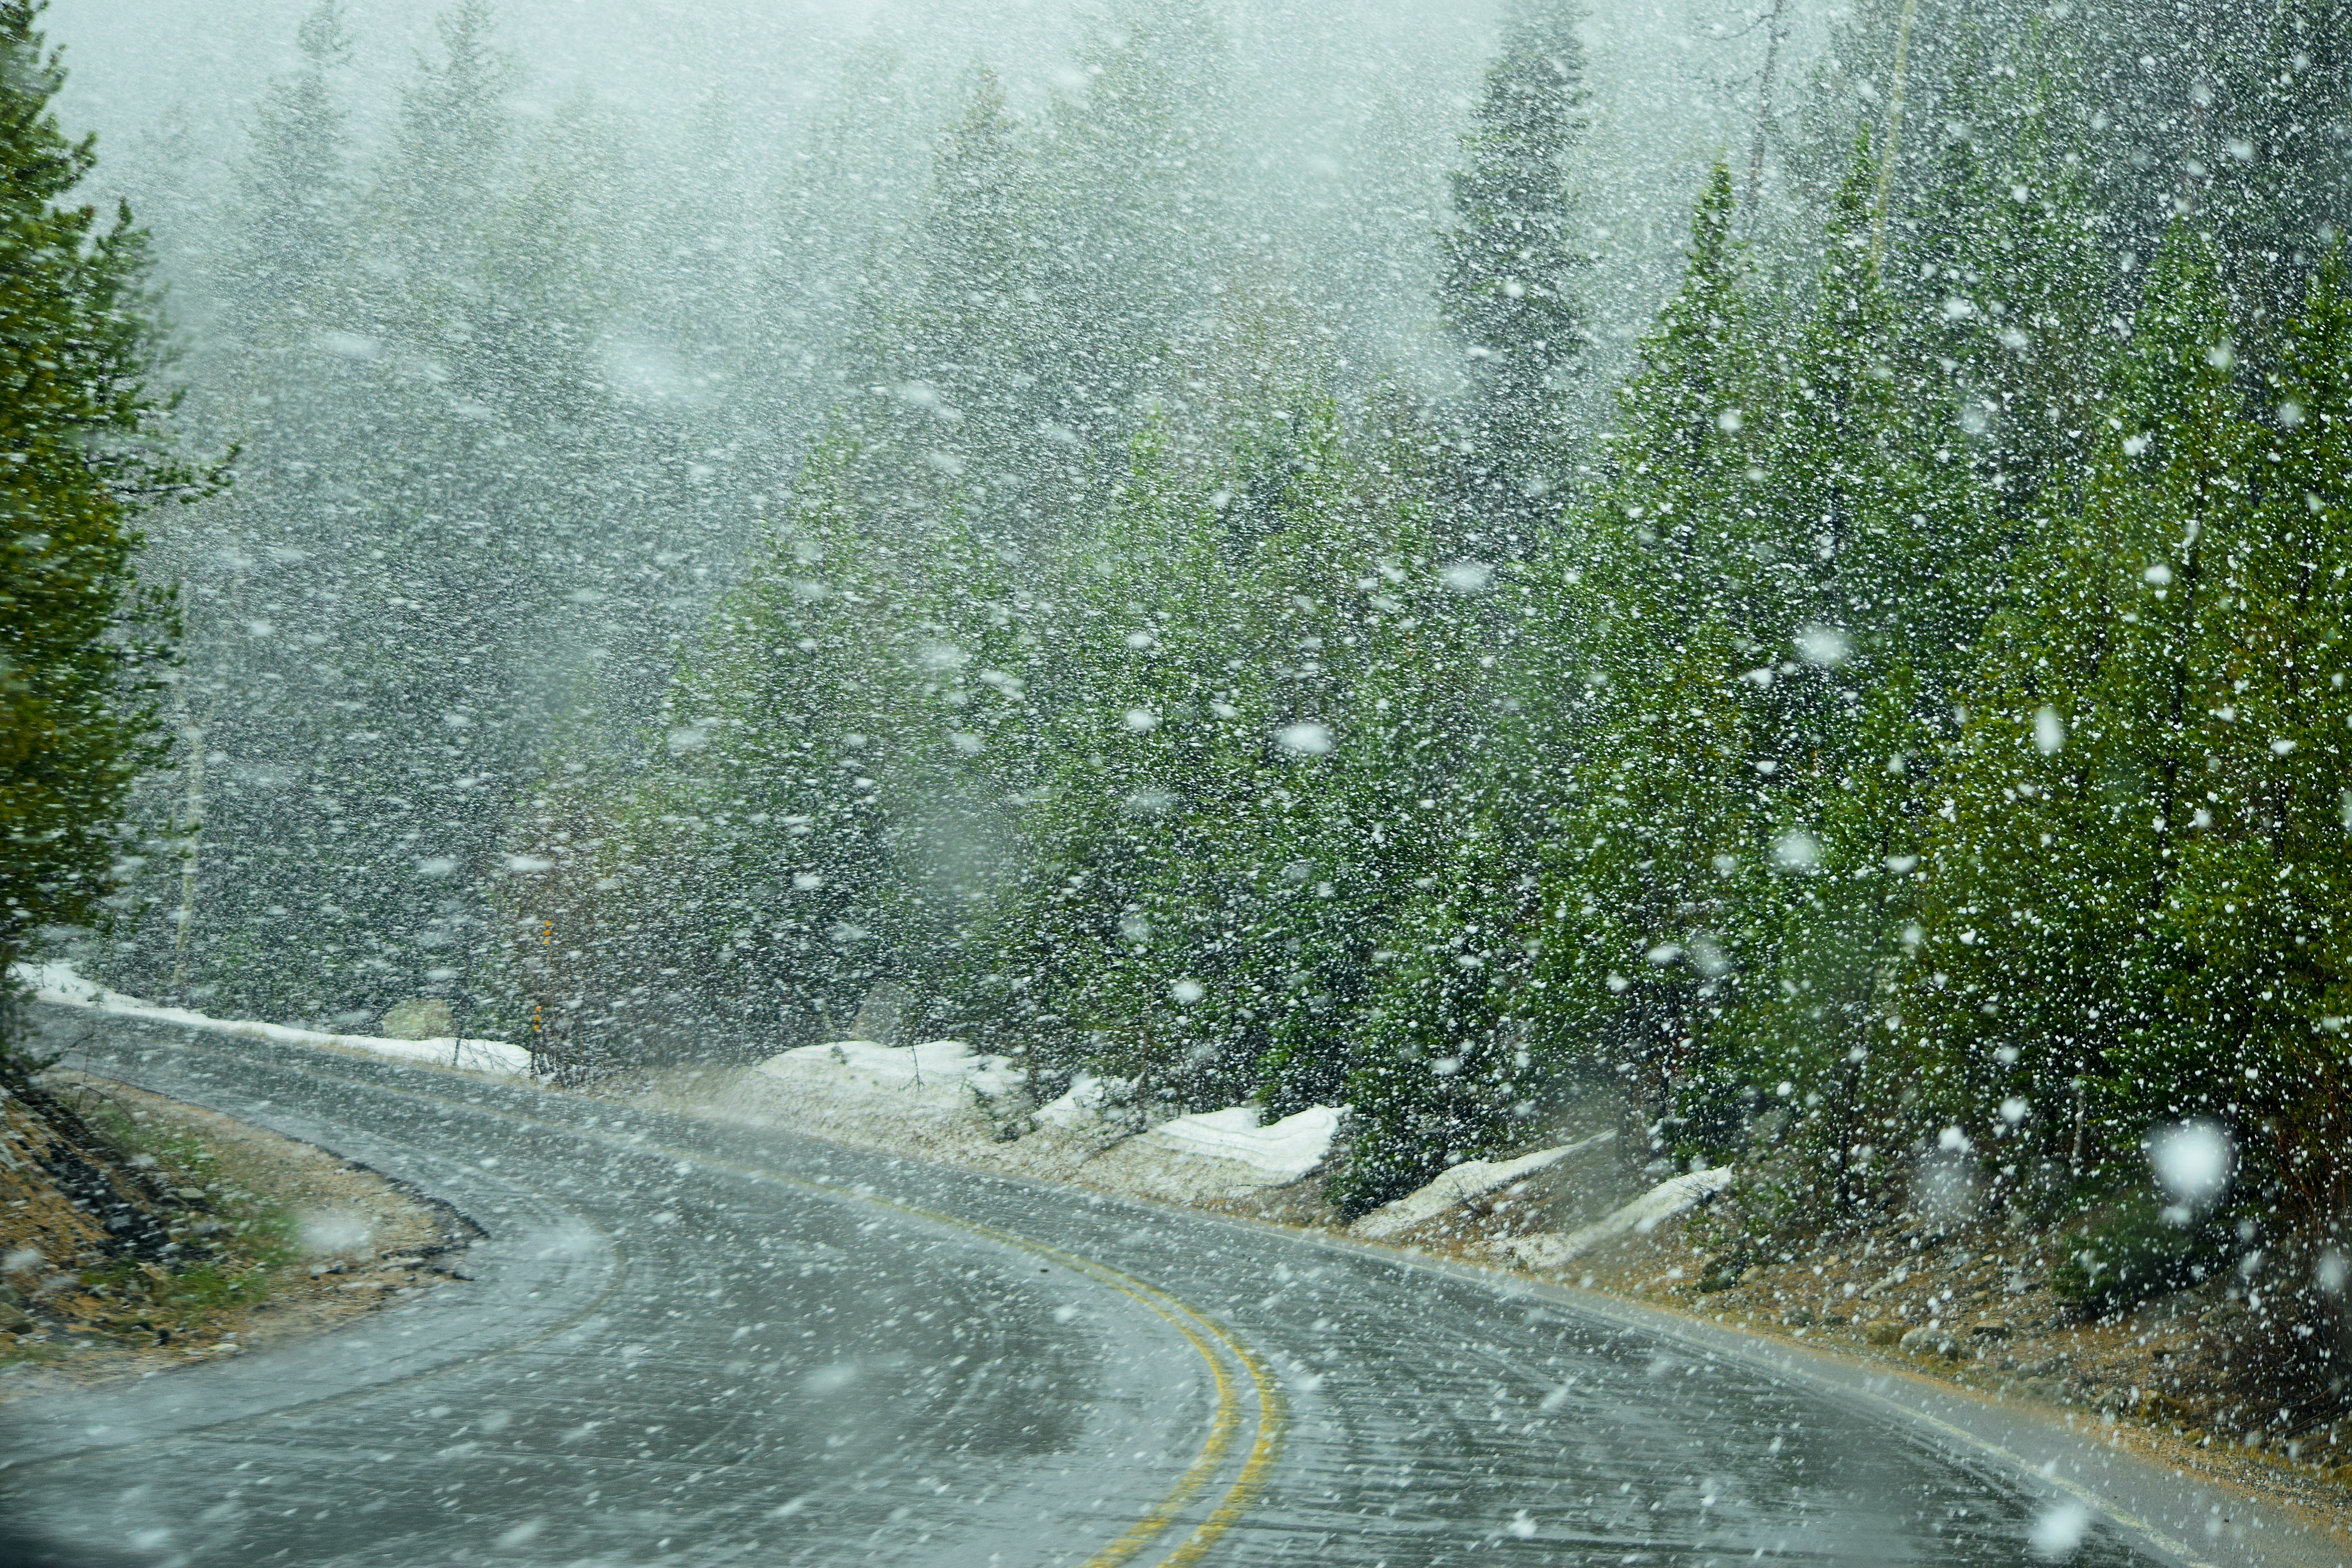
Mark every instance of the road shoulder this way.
pixel 279 1240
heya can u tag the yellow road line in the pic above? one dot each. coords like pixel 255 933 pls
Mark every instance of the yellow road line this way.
pixel 1252 1481
pixel 1196 1329
pixel 1264 1451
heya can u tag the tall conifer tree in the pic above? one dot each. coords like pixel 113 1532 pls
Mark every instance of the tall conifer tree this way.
pixel 82 646
pixel 2049 958
pixel 1511 288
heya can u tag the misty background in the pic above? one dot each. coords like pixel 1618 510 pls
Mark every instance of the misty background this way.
pixel 685 209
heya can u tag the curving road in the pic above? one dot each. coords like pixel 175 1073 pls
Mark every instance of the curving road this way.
pixel 700 1344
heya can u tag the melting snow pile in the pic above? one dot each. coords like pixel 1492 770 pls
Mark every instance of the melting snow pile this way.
pixel 1471 1178
pixel 1085 1105
pixel 57 982
pixel 1282 1152
pixel 944 1101
pixel 1554 1249
pixel 941 1073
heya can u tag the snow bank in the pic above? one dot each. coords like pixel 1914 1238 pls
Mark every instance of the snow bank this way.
pixel 1554 1249
pixel 57 982
pixel 1083 1104
pixel 930 1070
pixel 1284 1151
pixel 1471 1178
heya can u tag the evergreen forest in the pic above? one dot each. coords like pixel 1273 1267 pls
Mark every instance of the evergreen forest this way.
pixel 1877 701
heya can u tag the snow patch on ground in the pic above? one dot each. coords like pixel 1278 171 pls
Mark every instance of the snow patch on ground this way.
pixel 926 1070
pixel 1084 1104
pixel 1555 1250
pixel 867 1095
pixel 57 982
pixel 1282 1152
pixel 1471 1178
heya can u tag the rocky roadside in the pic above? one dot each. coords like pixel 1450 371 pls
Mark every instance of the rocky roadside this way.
pixel 138 1234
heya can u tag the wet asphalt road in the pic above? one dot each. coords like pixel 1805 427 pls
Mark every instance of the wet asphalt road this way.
pixel 703 1344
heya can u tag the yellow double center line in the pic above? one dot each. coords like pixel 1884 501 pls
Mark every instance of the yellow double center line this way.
pixel 1264 1449
pixel 1205 1334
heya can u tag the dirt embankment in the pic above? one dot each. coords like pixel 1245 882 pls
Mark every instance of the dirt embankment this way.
pixel 138 1233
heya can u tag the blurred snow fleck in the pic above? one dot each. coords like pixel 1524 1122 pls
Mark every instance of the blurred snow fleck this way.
pixel 1796 850
pixel 1822 646
pixel 2049 731
pixel 2192 1161
pixel 1468 577
pixel 348 345
pixel 333 1230
pixel 2058 1533
pixel 831 1379
pixel 938 658
pixel 1945 1189
pixel 521 1534
pixel 1306 739
pixel 645 375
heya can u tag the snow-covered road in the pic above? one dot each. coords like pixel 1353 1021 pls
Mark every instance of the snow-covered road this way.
pixel 704 1344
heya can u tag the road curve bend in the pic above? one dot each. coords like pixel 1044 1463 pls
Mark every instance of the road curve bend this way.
pixel 700 1344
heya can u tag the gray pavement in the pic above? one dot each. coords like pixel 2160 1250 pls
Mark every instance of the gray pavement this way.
pixel 693 1344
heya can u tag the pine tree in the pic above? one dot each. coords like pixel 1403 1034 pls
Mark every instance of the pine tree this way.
pixel 297 184
pixel 1436 1073
pixel 2263 160
pixel 1629 706
pixel 948 342
pixel 83 648
pixel 2004 272
pixel 1134 223
pixel 2046 957
pixel 1511 286
pixel 2252 1031
pixel 851 174
pixel 1768 596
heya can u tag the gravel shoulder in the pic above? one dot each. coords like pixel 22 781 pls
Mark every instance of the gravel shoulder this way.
pixel 277 1240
